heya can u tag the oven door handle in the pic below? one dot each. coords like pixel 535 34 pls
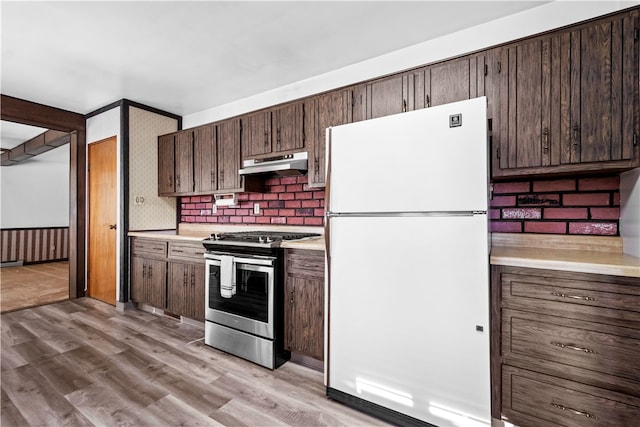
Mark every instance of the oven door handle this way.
pixel 269 262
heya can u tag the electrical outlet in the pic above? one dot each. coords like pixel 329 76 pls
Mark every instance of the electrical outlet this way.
pixel 256 208
pixel 139 200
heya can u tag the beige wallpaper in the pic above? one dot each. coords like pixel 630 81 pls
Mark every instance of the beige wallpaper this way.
pixel 155 213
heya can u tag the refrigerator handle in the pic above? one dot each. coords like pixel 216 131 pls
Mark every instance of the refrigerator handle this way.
pixel 327 193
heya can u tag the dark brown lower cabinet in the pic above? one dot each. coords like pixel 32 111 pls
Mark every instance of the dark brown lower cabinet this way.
pixel 565 348
pixel 304 302
pixel 148 271
pixel 168 275
pixel 185 279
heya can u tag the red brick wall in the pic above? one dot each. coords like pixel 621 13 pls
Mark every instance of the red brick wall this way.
pixel 558 206
pixel 287 200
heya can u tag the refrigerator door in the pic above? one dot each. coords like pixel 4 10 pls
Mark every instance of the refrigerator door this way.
pixel 408 302
pixel 412 162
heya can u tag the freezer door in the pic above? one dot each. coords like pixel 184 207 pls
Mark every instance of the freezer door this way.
pixel 415 161
pixel 408 310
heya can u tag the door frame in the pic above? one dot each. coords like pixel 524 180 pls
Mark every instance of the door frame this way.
pixel 34 114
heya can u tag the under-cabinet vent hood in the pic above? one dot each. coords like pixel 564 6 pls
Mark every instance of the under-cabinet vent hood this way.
pixel 288 164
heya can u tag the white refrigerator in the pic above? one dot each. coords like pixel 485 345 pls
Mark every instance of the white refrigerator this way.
pixel 407 284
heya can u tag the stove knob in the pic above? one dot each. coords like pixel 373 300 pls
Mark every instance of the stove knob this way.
pixel 260 239
pixel 216 236
pixel 268 240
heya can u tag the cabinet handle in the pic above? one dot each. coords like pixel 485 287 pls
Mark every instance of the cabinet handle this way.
pixel 428 101
pixel 316 165
pixel 199 253
pixel 144 270
pixel 177 250
pixel 170 181
pixel 278 139
pixel 580 297
pixel 213 177
pixel 193 278
pixel 292 300
pixel 184 278
pixel 222 176
pixel 404 105
pixel 178 180
pixel 265 138
pixel 546 140
pixel 150 272
pixel 576 135
pixel 573 347
pixel 574 411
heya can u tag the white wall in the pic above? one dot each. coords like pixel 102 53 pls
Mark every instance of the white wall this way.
pixel 35 192
pixel 546 17
pixel 630 211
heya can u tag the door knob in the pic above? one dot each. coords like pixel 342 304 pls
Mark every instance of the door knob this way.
pixel 112 227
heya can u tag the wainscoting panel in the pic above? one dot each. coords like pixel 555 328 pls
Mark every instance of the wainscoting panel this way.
pixel 34 244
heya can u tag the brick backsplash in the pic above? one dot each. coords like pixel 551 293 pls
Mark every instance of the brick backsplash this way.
pixel 558 206
pixel 287 200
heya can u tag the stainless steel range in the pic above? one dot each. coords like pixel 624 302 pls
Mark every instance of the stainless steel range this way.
pixel 244 293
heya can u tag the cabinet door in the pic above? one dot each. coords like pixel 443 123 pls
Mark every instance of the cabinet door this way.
pixel 166 156
pixel 138 277
pixel 256 134
pixel 205 161
pixel 305 326
pixel 156 283
pixel 194 302
pixel 448 82
pixel 387 96
pixel 603 82
pixel 178 279
pixel 229 155
pixel 527 141
pixel 289 128
pixel 184 162
pixel 331 109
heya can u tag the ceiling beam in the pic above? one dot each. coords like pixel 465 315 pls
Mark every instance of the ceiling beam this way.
pixel 34 114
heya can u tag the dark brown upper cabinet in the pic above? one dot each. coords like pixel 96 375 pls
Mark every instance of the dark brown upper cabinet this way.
pixel 229 156
pixel 205 159
pixel 603 83
pixel 184 162
pixel 525 133
pixel 396 94
pixel 277 131
pixel 323 111
pixel 256 134
pixel 166 161
pixel 567 101
pixel 449 81
pixel 288 128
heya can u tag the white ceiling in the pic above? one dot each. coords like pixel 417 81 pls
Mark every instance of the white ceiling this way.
pixel 184 57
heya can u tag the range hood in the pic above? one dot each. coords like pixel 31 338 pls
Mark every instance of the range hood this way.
pixel 287 164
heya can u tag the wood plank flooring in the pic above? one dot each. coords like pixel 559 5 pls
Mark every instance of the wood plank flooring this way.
pixel 33 284
pixel 81 363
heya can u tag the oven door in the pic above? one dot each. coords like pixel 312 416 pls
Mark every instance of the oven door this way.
pixel 239 292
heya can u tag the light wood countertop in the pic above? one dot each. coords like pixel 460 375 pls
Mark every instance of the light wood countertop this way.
pixel 197 232
pixel 584 254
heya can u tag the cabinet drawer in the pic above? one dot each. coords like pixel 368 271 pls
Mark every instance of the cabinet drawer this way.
pixel 305 262
pixel 588 297
pixel 607 349
pixel 149 248
pixel 186 250
pixel 533 399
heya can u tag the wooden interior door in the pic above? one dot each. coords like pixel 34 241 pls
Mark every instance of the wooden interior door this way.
pixel 101 274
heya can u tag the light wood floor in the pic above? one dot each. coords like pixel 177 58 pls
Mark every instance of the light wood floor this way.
pixel 80 362
pixel 33 284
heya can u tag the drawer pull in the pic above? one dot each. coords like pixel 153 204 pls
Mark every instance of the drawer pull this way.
pixel 574 411
pixel 177 250
pixel 580 297
pixel 573 347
